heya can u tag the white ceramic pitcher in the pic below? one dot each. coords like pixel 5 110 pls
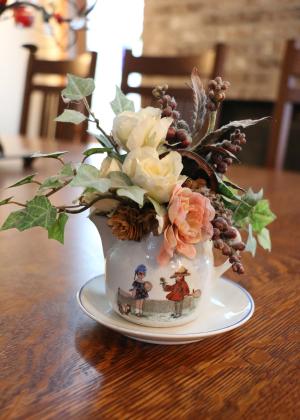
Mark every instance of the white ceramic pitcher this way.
pixel 143 292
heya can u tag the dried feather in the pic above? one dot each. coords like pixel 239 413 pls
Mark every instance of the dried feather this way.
pixel 199 99
pixel 215 135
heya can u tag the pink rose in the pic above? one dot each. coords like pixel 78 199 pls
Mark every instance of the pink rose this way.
pixel 190 214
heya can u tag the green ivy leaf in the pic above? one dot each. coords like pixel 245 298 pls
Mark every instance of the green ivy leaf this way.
pixel 133 192
pixel 57 230
pixel 53 155
pixel 232 185
pixel 261 215
pixel 119 179
pixel 115 155
pixel 95 150
pixel 13 220
pixel 78 88
pixel 251 242
pixel 38 212
pixel 121 102
pixel 252 197
pixel 71 116
pixel 49 183
pixel 5 201
pixel 264 239
pixel 66 171
pixel 227 191
pixel 102 139
pixel 26 180
pixel 242 213
pixel 229 204
pixel 88 177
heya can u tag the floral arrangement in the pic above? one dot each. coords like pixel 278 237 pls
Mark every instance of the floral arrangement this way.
pixel 160 176
pixel 23 14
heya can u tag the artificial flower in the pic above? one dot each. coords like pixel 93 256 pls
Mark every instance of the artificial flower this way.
pixel 138 129
pixel 190 214
pixel 157 176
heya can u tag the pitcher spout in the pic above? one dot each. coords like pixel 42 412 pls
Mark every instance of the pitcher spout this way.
pixel 107 238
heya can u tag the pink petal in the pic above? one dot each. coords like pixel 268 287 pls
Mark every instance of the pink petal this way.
pixel 185 249
pixel 167 249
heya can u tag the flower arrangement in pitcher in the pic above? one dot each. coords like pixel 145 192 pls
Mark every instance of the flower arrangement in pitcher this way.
pixel 160 176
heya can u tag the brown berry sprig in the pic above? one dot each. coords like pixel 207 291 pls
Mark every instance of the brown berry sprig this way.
pixel 219 159
pixel 178 135
pixel 216 93
pixel 226 238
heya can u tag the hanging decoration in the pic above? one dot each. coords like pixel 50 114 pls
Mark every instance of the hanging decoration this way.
pixel 24 14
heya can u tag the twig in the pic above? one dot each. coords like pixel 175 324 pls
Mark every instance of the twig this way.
pixel 54 190
pixel 96 121
pixel 86 206
pixel 17 203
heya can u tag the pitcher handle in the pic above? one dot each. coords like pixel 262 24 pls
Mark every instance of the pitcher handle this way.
pixel 221 269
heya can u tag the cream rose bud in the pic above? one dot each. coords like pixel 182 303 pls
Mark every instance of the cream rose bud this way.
pixel 109 165
pixel 139 129
pixel 157 176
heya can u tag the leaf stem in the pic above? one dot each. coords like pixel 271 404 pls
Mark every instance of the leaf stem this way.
pixel 96 121
pixel 85 206
pixel 61 161
pixel 17 203
pixel 54 190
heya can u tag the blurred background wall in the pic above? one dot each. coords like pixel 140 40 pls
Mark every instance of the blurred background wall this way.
pixel 255 31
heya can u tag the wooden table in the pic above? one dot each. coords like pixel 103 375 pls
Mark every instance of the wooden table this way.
pixel 57 363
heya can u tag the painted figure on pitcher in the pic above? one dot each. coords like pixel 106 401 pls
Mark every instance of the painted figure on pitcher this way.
pixel 140 289
pixel 178 290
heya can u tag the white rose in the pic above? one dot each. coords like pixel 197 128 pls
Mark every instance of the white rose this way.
pixel 157 176
pixel 139 129
pixel 109 165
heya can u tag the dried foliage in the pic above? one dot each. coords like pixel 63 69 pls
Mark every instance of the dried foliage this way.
pixel 199 101
pixel 130 223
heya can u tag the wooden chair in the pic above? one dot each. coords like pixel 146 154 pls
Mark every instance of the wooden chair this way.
pixel 288 95
pixel 166 67
pixel 49 78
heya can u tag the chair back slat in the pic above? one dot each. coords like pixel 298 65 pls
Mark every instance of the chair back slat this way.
pixel 49 78
pixel 288 95
pixel 210 64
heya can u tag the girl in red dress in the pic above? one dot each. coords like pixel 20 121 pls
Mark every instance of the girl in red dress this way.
pixel 178 290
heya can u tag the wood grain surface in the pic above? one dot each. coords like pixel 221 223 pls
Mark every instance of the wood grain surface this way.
pixel 56 363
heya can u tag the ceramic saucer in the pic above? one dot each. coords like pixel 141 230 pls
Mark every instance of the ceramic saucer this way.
pixel 229 308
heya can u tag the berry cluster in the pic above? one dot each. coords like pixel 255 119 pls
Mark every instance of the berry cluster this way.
pixel 216 93
pixel 226 237
pixel 220 161
pixel 178 135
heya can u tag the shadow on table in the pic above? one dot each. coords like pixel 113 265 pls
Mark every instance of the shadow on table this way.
pixel 105 350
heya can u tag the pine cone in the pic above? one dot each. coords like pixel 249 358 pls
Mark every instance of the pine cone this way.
pixel 132 224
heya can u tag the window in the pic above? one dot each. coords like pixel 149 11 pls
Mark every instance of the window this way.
pixel 113 26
